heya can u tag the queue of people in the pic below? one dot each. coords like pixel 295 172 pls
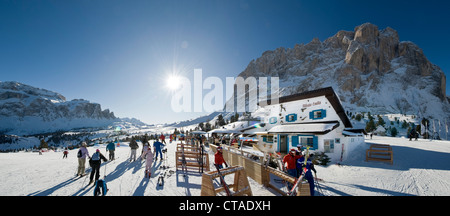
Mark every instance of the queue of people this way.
pixel 295 165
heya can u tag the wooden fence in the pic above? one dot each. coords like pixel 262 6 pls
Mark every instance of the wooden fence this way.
pixel 256 170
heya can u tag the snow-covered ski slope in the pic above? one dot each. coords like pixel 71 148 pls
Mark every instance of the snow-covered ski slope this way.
pixel 420 168
pixel 31 174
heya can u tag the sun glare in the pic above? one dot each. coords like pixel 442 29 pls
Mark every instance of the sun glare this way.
pixel 173 82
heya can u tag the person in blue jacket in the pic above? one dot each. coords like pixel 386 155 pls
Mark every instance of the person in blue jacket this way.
pixel 157 145
pixel 111 147
pixel 308 175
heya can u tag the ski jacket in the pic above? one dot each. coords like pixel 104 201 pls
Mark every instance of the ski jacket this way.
pixel 134 145
pixel 290 161
pixel 149 157
pixel 218 158
pixel 309 165
pixel 158 145
pixel 97 158
pixel 111 146
pixel 84 152
pixel 145 140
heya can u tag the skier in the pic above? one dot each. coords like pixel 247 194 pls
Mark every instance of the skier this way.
pixel 218 158
pixel 100 187
pixel 82 153
pixel 308 175
pixel 218 161
pixel 157 149
pixel 95 163
pixel 145 148
pixel 413 134
pixel 133 146
pixel 216 140
pixel 111 148
pixel 163 138
pixel 65 153
pixel 299 155
pixel 224 142
pixel 145 140
pixel 148 163
pixel 290 161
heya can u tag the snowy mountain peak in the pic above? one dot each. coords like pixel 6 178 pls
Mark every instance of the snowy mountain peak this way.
pixel 26 109
pixel 18 90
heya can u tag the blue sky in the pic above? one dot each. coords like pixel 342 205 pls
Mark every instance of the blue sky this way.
pixel 119 53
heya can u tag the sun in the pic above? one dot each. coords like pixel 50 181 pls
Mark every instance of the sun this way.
pixel 173 82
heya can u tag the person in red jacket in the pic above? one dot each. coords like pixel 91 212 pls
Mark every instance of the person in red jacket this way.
pixel 163 138
pixel 218 158
pixel 291 164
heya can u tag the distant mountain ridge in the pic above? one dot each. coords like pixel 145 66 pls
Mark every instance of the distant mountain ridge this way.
pixel 370 70
pixel 26 109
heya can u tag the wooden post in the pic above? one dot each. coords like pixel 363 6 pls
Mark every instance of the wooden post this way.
pixel 303 189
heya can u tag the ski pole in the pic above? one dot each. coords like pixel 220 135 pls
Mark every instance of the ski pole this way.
pixel 104 175
pixel 319 187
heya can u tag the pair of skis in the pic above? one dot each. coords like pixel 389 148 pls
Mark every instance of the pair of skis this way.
pixel 183 161
pixel 163 174
pixel 222 181
pixel 201 159
pixel 292 191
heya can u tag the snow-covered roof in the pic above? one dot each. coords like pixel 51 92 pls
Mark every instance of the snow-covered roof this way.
pixel 224 131
pixel 198 132
pixel 380 129
pixel 348 133
pixel 257 126
pixel 304 128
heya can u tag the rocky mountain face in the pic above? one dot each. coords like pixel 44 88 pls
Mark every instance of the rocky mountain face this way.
pixel 25 109
pixel 370 70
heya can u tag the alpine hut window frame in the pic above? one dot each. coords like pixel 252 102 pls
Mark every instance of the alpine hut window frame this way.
pixel 318 114
pixel 291 117
pixel 306 141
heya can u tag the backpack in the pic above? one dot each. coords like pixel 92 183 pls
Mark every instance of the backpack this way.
pixel 79 154
pixel 100 187
pixel 96 156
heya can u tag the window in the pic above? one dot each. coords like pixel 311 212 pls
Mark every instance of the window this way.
pixel 307 141
pixel 268 139
pixel 273 120
pixel 318 114
pixel 328 145
pixel 291 117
